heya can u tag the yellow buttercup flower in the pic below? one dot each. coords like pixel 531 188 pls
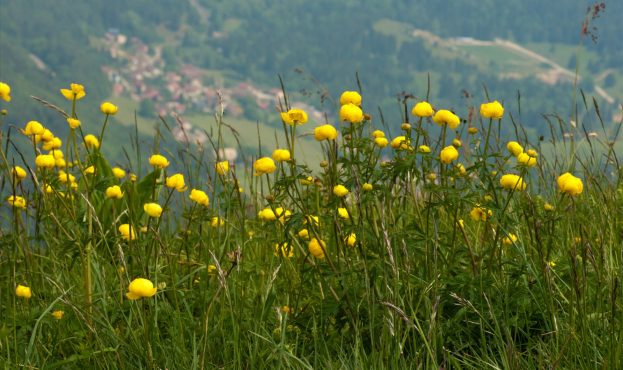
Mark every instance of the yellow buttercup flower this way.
pixel 46 135
pixel 340 191
pixel 89 170
pixel 18 173
pixel 304 233
pixel 45 161
pixel 350 97
pixel 23 291
pixel 381 142
pixel 514 148
pixel 284 250
pixel 152 209
pixel 33 128
pixel 480 213
pixel 367 187
pixel 222 167
pixel 422 109
pixel 400 143
pixel 267 214
pixel 127 232
pixel 569 184
pixel 472 130
pixel 532 153
pixel 294 116
pixel 351 113
pixel 445 117
pixel 199 197
pixel 425 149
pixel 91 141
pixel 461 168
pixel 343 213
pixel 66 177
pixel 158 161
pixel 73 123
pixel 317 248
pixel 405 127
pixel 58 314
pixel 75 92
pixel 448 154
pixel 16 201
pixel 351 239
pixel 493 110
pixel 325 132
pixel 217 222
pixel 118 172
pixel 512 182
pixel 55 143
pixel 176 182
pixel 140 288
pixel 264 165
pixel 108 108
pixel 377 134
pixel 281 155
pixel 548 207
pixel 457 143
pixel 510 239
pixel 114 192
pixel 431 176
pixel 5 92
pixel 526 160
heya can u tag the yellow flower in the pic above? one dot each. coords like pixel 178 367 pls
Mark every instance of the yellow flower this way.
pixel 462 169
pixel 66 177
pixel 551 264
pixel 286 309
pixel 377 134
pixel 343 213
pixel 176 182
pixel 445 117
pixel 267 214
pixel 526 160
pixel 400 143
pixel 422 109
pixel 569 184
pixel 431 176
pixel 493 110
pixel 108 108
pixel 16 201
pixel 282 214
pixel 222 167
pixel 133 177
pixel 472 130
pixel 158 161
pixel 325 132
pixel 89 170
pixel 350 97
pixel 45 161
pixel 514 148
pixel 264 165
pixel 367 187
pixel 127 232
pixel 217 222
pixel 304 233
pixel 510 239
pixel 381 142
pixel 91 141
pixel 461 223
pixel 5 91
pixel 140 288
pixel 405 126
pixel 340 191
pixel 33 128
pixel 46 135
pixel 18 173
pixel 58 314
pixel 281 155
pixel 423 149
pixel 532 153
pixel 152 209
pixel 480 213
pixel 73 123
pixel 212 269
pixel 351 239
pixel 351 113
pixel 448 154
pixel 23 291
pixel 294 116
pixel 316 248
pixel 55 143
pixel 548 207
pixel 284 249
pixel 118 172
pixel 76 92
pixel 199 197
pixel 512 182
pixel 114 192
pixel 457 143
pixel 311 219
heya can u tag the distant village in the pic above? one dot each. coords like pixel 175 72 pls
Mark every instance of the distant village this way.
pixel 141 74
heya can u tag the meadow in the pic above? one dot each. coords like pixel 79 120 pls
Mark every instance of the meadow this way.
pixel 448 246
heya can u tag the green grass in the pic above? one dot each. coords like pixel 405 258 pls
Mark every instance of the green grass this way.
pixel 428 283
